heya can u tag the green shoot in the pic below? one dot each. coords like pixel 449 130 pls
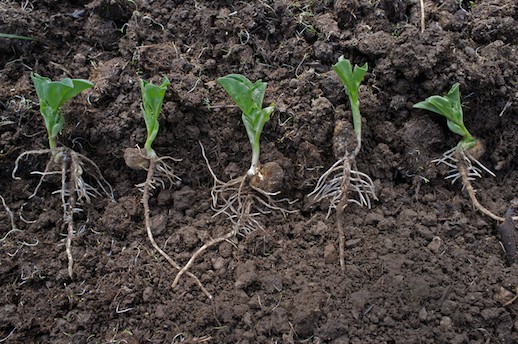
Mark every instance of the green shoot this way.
pixel 24 38
pixel 52 95
pixel 351 79
pixel 450 107
pixel 462 160
pixel 249 98
pixel 152 99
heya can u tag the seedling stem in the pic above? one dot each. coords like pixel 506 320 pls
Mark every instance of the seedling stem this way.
pixel 462 159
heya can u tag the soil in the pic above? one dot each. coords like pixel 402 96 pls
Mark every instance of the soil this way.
pixel 422 266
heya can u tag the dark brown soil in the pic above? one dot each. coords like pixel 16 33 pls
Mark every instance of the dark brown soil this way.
pixel 422 265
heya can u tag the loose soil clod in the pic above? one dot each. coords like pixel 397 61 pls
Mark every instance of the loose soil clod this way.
pixel 509 237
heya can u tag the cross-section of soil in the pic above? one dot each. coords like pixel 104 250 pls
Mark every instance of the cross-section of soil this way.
pixel 422 265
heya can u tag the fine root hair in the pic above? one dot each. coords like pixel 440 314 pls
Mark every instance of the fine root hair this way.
pixel 158 172
pixel 75 191
pixel 242 204
pixel 335 184
pixel 163 174
pixel 467 168
pixel 330 186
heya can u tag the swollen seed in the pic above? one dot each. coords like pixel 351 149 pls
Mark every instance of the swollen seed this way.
pixel 270 177
pixel 136 158
pixel 477 150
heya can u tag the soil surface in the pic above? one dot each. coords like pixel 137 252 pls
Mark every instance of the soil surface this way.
pixel 422 265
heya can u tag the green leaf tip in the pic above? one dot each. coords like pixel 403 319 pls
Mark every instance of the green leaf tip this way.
pixel 57 93
pixel 23 38
pixel 350 77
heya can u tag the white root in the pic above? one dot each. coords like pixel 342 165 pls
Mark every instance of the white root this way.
pixel 11 219
pixel 335 184
pixel 450 159
pixel 74 190
pixel 466 167
pixel 163 172
pixel 329 186
pixel 150 183
pixel 242 204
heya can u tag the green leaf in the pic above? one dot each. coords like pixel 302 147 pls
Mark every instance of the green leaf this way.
pixel 57 93
pixel 455 128
pixel 450 107
pixel 245 94
pixel 24 38
pixel 52 95
pixel 351 79
pixel 249 97
pixel 152 100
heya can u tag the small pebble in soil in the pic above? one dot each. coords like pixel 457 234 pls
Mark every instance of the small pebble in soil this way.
pixel 446 322
pixel 423 314
pixel 424 231
pixel 245 275
pixel 164 197
pixel 436 244
pixel 184 198
pixel 225 250
pixel 158 223
pixel 503 296
pixel 218 262
pixel 146 295
pixel 373 218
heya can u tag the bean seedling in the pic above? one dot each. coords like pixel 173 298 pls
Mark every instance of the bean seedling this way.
pixel 159 172
pixel 52 95
pixel 343 176
pixel 463 158
pixel 246 197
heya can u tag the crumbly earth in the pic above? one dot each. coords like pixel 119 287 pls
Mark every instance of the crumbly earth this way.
pixel 422 265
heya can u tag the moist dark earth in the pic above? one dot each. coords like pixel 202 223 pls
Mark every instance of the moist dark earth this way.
pixel 422 265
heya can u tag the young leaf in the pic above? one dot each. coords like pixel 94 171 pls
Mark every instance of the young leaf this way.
pixel 351 79
pixel 450 107
pixel 152 99
pixel 249 97
pixel 52 95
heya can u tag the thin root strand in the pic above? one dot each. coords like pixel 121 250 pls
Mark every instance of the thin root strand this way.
pixel 147 185
pixel 464 165
pixel 242 204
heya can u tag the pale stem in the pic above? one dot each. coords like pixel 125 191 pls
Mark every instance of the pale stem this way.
pixel 52 144
pixel 255 160
pixel 357 124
